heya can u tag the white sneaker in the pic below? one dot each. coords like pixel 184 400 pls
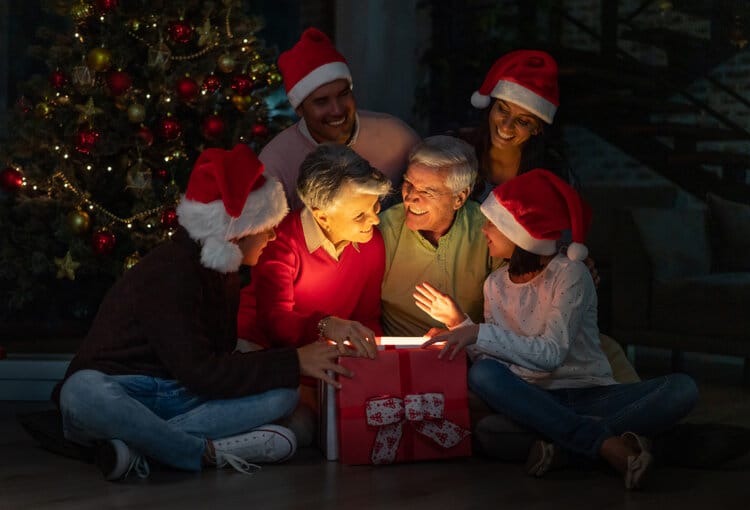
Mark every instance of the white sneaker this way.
pixel 116 460
pixel 266 444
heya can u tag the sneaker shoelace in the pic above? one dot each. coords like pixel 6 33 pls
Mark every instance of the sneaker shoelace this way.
pixel 140 466
pixel 238 463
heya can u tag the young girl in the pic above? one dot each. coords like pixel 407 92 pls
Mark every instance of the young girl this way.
pixel 537 357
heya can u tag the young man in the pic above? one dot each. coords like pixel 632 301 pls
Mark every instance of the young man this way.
pixel 156 375
pixel 319 87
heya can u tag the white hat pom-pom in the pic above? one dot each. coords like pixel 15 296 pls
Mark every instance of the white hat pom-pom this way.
pixel 577 251
pixel 479 101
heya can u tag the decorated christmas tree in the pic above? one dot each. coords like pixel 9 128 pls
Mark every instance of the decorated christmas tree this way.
pixel 101 146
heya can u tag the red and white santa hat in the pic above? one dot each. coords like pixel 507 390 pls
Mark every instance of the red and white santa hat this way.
pixel 228 197
pixel 534 208
pixel 310 63
pixel 527 78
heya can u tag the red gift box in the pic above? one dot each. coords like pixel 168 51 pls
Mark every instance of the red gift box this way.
pixel 405 405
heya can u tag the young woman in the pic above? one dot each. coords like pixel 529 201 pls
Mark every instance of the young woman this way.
pixel 537 356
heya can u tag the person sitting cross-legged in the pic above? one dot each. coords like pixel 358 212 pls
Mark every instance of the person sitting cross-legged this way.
pixel 156 376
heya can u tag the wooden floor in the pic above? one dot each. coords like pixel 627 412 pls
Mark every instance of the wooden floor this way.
pixel 31 478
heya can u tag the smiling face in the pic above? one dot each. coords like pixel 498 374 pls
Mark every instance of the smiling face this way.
pixel 329 112
pixel 429 204
pixel 511 125
pixel 352 218
pixel 252 245
pixel 499 246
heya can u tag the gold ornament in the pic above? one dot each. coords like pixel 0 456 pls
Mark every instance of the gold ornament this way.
pixel 81 11
pixel 131 260
pixel 136 113
pixel 99 59
pixel 226 63
pixel 135 24
pixel 79 221
pixel 242 103
pixel 87 111
pixel 42 110
pixel 63 100
pixel 66 266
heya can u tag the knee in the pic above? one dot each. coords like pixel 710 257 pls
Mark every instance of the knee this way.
pixel 282 401
pixel 484 374
pixel 78 390
pixel 685 391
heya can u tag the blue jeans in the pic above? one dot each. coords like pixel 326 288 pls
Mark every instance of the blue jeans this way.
pixel 160 418
pixel 580 419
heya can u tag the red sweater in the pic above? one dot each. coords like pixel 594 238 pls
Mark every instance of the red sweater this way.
pixel 298 288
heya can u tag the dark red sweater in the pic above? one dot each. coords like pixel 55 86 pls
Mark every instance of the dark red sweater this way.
pixel 171 317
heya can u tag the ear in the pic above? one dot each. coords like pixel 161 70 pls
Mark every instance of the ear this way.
pixel 538 128
pixel 460 198
pixel 321 217
pixel 300 111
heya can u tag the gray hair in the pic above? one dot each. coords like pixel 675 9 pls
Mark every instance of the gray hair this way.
pixel 449 153
pixel 326 169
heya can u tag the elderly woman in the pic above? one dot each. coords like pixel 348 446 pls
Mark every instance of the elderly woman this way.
pixel 322 276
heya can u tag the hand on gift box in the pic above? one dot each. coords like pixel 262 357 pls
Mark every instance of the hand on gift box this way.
pixel 317 358
pixel 458 338
pixel 437 305
pixel 360 339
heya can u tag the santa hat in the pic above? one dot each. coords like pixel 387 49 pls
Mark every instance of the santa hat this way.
pixel 534 208
pixel 527 78
pixel 312 62
pixel 228 197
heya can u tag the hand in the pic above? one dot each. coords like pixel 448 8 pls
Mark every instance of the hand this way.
pixel 437 305
pixel 361 339
pixel 458 338
pixel 318 357
pixel 593 270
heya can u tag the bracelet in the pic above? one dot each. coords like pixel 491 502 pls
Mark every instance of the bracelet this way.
pixel 322 323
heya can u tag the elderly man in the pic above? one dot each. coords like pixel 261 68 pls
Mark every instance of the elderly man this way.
pixel 434 236
pixel 319 87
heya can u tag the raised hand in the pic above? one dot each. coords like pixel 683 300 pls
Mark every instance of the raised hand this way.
pixel 458 338
pixel 437 305
pixel 361 338
pixel 317 358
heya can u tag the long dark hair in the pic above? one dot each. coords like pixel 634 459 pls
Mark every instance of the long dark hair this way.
pixel 522 262
pixel 543 150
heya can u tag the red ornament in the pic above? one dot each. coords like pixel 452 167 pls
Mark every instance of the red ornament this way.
pixel 11 179
pixel 118 82
pixel 161 174
pixel 260 130
pixel 213 127
pixel 169 128
pixel 169 218
pixel 211 83
pixel 180 32
pixel 85 140
pixel 103 242
pixel 187 89
pixel 145 135
pixel 58 79
pixel 242 84
pixel 106 5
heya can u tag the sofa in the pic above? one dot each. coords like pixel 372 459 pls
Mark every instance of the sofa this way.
pixel 681 279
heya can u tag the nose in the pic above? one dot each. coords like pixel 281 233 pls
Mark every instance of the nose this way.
pixel 507 122
pixel 374 219
pixel 337 108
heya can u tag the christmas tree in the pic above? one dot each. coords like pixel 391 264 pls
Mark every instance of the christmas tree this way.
pixel 102 145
